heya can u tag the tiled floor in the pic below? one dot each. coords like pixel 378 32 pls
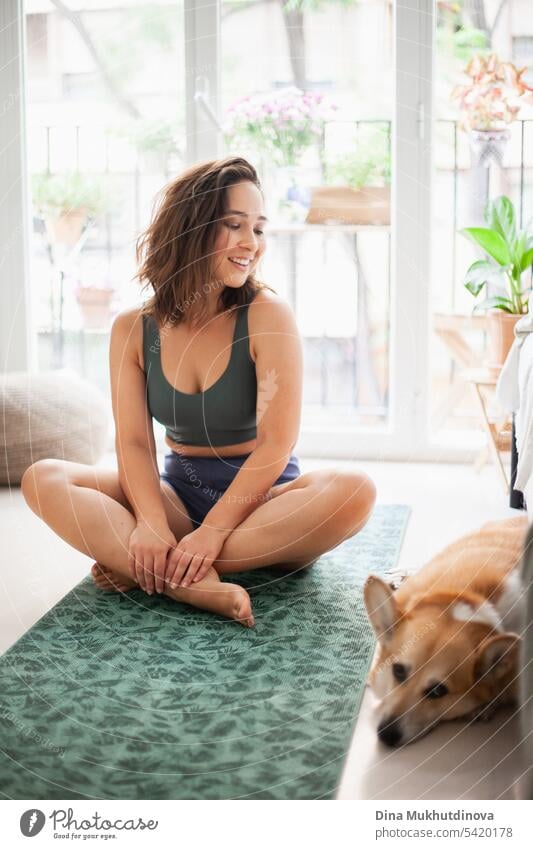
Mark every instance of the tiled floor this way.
pixel 457 761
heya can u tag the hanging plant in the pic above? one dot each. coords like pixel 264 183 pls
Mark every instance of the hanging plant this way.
pixel 493 97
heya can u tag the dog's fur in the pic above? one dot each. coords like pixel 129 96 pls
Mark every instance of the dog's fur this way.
pixel 454 623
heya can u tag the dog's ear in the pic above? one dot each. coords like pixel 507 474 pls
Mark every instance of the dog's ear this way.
pixel 381 607
pixel 497 656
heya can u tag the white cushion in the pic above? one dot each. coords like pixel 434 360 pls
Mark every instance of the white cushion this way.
pixel 53 414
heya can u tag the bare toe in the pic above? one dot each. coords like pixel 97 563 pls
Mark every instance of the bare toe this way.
pixel 243 609
pixel 106 579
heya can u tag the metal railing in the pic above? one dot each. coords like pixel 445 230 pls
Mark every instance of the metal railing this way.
pixel 173 167
pixel 113 238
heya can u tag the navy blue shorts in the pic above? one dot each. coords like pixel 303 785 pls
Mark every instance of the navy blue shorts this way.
pixel 200 481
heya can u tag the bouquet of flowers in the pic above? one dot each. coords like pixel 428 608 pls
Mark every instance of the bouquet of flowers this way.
pixel 280 125
pixel 493 97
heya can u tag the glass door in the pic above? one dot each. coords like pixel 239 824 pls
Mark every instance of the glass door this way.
pixel 306 94
pixel 105 131
pixel 332 103
pixel 483 150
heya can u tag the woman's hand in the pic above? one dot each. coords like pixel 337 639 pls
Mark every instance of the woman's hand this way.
pixel 149 545
pixel 193 556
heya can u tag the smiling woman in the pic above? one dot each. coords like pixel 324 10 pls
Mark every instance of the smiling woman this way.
pixel 215 356
pixel 209 217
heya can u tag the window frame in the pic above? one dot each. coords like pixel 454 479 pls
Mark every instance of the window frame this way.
pixel 17 344
pixel 407 433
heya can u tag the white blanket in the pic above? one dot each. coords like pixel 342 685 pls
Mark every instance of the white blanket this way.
pixel 514 392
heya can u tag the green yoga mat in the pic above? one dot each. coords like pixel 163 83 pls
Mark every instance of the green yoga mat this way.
pixel 116 696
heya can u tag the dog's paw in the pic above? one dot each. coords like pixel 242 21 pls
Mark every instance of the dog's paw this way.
pixel 395 577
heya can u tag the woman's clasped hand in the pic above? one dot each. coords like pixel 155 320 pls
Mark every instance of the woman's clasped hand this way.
pixel 157 561
pixel 195 554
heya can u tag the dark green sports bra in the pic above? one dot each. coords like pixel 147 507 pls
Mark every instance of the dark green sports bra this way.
pixel 225 414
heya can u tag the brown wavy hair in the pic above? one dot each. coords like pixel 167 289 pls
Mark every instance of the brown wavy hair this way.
pixel 175 252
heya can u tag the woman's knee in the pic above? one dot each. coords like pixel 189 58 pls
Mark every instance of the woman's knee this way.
pixel 354 494
pixel 37 479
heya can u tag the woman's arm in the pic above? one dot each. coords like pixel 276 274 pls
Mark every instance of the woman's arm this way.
pixel 136 454
pixel 278 360
pixel 134 435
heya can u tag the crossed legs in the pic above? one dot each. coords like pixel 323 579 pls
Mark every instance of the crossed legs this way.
pixel 302 519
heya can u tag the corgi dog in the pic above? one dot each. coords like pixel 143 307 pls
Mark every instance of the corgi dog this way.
pixel 448 637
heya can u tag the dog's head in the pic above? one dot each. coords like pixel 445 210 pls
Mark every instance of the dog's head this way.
pixel 436 662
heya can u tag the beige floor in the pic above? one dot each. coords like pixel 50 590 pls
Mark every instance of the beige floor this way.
pixel 459 761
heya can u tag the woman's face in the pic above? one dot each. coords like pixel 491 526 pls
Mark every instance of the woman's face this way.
pixel 240 241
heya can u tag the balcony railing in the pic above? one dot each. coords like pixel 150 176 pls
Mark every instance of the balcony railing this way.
pixel 334 371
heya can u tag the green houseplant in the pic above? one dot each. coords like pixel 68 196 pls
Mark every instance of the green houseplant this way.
pixel 357 189
pixel 155 141
pixel 368 165
pixel 509 254
pixel 66 201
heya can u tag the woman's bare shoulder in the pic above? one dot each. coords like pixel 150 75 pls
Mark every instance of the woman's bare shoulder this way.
pixel 270 318
pixel 127 329
pixel 266 296
pixel 126 319
pixel 268 310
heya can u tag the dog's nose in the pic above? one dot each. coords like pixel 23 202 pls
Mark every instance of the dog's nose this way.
pixel 389 731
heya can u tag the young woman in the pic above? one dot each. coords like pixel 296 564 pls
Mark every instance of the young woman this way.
pixel 215 356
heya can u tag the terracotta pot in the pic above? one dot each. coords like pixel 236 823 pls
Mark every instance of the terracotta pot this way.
pixel 66 229
pixel 95 306
pixel 344 205
pixel 500 329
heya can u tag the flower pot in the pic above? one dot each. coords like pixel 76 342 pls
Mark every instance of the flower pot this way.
pixel 66 228
pixel 500 330
pixel 488 146
pixel 344 205
pixel 95 306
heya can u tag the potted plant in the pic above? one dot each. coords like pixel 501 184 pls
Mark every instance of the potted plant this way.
pixel 95 304
pixel 66 201
pixel 155 141
pixel 358 190
pixel 509 255
pixel 489 103
pixel 281 127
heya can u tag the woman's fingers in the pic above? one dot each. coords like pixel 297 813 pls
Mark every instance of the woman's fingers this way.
pixel 172 562
pixel 194 566
pixel 160 565
pixel 139 570
pixel 181 568
pixel 149 574
pixel 182 559
pixel 204 569
pixel 178 568
pixel 131 564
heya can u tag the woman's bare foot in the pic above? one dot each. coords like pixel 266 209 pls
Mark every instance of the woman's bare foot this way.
pixel 106 579
pixel 230 600
pixel 241 606
pixel 217 596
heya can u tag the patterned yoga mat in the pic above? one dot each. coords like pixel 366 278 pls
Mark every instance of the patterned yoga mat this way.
pixel 129 696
